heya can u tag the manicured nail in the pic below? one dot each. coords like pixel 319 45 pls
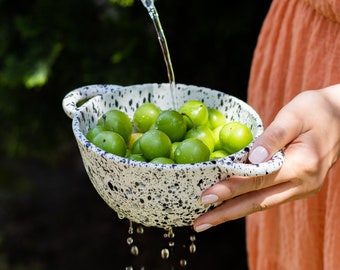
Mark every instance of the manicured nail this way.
pixel 211 198
pixel 258 155
pixel 202 227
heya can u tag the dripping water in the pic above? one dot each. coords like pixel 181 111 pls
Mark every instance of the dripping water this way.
pixel 167 253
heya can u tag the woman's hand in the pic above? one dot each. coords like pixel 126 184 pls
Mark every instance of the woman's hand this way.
pixel 308 128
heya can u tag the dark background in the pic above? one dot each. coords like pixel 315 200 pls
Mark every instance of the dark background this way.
pixel 50 215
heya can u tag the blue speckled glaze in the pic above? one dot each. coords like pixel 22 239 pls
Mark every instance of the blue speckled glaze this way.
pixel 158 195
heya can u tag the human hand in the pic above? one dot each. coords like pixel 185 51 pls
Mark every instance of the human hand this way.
pixel 308 128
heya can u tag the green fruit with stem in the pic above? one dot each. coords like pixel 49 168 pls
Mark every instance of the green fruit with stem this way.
pixel 195 112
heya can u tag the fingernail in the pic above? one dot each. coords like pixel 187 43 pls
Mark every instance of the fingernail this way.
pixel 211 198
pixel 203 227
pixel 258 155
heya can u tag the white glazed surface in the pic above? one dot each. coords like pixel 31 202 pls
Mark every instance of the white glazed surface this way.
pixel 154 194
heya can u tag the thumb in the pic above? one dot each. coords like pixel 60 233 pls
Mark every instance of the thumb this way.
pixel 283 130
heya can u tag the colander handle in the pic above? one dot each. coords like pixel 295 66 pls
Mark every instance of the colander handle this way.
pixel 71 100
pixel 268 167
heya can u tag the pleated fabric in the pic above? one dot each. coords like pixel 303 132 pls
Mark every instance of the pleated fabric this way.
pixel 298 49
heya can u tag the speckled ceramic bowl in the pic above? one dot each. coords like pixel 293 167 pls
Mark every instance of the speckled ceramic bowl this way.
pixel 154 194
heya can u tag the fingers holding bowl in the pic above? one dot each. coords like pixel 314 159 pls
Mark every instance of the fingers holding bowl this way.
pixel 238 197
pixel 246 204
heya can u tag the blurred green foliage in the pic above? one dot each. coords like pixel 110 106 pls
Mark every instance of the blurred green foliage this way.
pixel 48 48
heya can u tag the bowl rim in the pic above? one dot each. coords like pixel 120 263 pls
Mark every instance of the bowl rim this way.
pixel 225 160
pixel 237 162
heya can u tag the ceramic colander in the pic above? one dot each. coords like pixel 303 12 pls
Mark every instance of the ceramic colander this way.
pixel 159 195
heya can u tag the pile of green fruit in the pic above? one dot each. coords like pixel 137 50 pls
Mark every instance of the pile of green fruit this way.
pixel 194 133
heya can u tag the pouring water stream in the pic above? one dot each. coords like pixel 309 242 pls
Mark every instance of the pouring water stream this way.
pixel 169 235
pixel 149 5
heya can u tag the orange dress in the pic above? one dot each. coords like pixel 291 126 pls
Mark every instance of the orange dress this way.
pixel 298 49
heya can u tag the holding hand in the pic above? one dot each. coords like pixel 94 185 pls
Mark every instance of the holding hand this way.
pixel 308 128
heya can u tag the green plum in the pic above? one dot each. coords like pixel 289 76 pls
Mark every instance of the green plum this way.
pixel 172 123
pixel 204 134
pixel 191 150
pixel 145 116
pixel 195 112
pixel 235 136
pixel 155 143
pixel 110 142
pixel 117 121
pixel 215 118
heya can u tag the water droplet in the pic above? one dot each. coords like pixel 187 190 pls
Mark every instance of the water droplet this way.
pixel 171 244
pixel 171 234
pixel 120 215
pixel 192 248
pixel 129 268
pixel 183 262
pixel 130 230
pixel 140 229
pixel 134 250
pixel 193 238
pixel 129 240
pixel 165 253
